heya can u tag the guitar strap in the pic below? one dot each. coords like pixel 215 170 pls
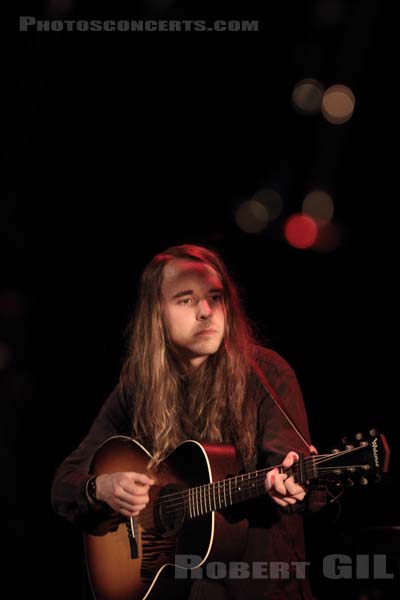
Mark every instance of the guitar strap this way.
pixel 265 383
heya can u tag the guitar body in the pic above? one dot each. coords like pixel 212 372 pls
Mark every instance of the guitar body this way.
pixel 134 559
pixel 189 516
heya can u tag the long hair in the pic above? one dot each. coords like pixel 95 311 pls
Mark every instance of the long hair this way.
pixel 211 404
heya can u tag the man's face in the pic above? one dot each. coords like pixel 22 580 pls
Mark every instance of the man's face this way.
pixel 193 309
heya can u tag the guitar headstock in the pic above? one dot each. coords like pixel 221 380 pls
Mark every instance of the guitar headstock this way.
pixel 361 458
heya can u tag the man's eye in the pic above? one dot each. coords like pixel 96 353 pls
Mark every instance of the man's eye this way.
pixel 184 301
pixel 216 298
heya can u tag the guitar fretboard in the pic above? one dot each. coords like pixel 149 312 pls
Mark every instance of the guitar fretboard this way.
pixel 203 499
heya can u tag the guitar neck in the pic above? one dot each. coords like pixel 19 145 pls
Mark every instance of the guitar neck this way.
pixel 204 499
pixel 352 461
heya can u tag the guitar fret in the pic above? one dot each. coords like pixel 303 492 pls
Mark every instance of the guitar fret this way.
pixel 209 495
pixel 224 488
pixel 199 497
pixel 189 505
pixel 219 495
pixel 314 467
pixel 256 480
pixel 197 501
pixel 200 494
pixel 230 491
pixel 237 487
pixel 200 505
pixel 215 501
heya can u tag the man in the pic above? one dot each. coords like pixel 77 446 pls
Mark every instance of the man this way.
pixel 193 371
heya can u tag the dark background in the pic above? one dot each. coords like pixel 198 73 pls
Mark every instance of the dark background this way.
pixel 121 144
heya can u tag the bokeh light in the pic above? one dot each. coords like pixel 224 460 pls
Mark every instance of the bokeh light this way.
pixel 338 104
pixel 328 13
pixel 300 231
pixel 251 216
pixel 272 201
pixel 329 238
pixel 307 96
pixel 318 204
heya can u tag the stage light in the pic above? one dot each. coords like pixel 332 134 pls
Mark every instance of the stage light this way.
pixel 300 231
pixel 251 216
pixel 272 201
pixel 307 96
pixel 338 104
pixel 328 239
pixel 318 204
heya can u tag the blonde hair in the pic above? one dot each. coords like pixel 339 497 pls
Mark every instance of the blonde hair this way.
pixel 211 405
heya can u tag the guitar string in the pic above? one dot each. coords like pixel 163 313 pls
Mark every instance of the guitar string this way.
pixel 314 459
pixel 245 485
pixel 236 494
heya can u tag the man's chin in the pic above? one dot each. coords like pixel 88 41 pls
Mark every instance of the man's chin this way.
pixel 206 348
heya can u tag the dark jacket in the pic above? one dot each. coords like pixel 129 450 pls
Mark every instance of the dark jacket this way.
pixel 275 534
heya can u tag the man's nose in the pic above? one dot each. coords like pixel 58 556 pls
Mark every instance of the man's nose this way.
pixel 204 310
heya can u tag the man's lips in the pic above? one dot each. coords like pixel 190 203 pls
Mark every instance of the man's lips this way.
pixel 209 331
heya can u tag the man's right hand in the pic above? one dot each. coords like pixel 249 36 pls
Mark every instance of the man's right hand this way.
pixel 127 492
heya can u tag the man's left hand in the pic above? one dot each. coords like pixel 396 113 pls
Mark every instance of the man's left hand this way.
pixel 283 489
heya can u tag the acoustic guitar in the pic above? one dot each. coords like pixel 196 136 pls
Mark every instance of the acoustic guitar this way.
pixel 190 514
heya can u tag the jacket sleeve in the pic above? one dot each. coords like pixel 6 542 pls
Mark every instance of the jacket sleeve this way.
pixel 68 492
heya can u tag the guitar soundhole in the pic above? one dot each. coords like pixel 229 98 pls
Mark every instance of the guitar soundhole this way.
pixel 170 510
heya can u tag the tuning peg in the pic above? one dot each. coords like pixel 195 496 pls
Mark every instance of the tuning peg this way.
pixel 349 446
pixel 359 436
pixel 373 432
pixel 349 482
pixel 345 440
pixel 363 481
